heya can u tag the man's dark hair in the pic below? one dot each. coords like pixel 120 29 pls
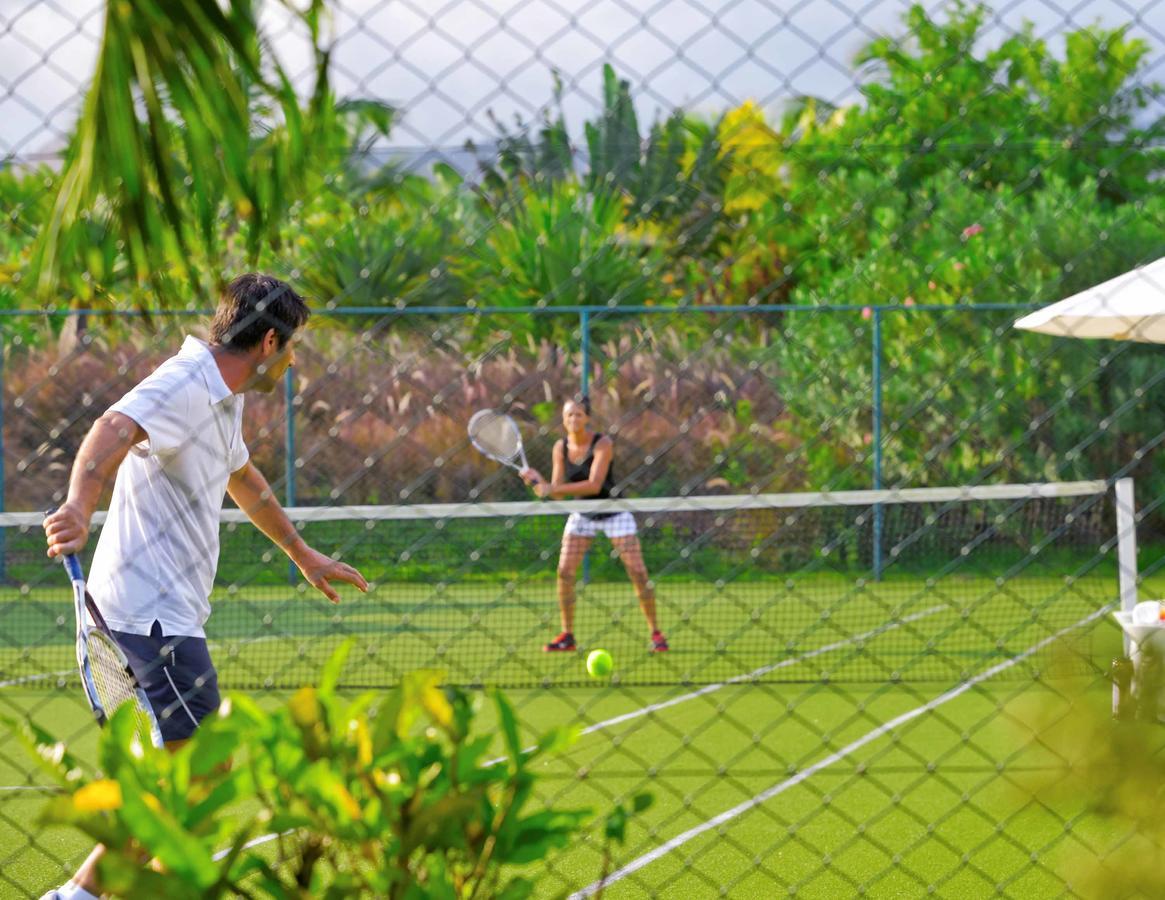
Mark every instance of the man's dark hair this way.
pixel 252 304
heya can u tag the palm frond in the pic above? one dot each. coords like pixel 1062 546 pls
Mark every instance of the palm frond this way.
pixel 165 147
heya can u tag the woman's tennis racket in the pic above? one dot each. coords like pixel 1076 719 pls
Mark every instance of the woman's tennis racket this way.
pixel 105 673
pixel 496 435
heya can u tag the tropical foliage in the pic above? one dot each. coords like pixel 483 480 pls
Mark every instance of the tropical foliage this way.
pixel 192 139
pixel 388 795
pixel 967 174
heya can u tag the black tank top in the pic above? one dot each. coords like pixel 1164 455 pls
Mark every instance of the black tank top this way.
pixel 581 471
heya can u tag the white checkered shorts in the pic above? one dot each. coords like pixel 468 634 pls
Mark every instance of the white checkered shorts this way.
pixel 619 525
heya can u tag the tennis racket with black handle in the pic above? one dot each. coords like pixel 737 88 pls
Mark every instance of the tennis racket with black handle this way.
pixel 106 675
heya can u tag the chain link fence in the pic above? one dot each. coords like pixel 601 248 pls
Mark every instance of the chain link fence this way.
pixel 779 248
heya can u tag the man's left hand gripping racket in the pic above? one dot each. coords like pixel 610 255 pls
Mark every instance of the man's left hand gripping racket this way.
pixel 105 672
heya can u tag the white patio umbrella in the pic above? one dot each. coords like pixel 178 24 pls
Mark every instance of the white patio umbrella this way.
pixel 1130 307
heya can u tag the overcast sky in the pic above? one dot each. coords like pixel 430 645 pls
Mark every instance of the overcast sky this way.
pixel 446 64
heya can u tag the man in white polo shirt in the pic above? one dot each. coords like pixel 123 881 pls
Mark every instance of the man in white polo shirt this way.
pixel 175 443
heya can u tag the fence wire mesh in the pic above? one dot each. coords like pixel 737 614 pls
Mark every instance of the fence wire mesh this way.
pixel 779 248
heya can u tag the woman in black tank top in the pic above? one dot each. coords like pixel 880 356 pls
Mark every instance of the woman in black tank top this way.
pixel 583 469
pixel 580 473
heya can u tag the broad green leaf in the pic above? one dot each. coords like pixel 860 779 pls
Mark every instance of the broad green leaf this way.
pixel 182 853
pixel 404 703
pixel 330 676
pixel 253 871
pixel 214 745
pixel 439 824
pixel 241 711
pixel 615 828
pixel 558 739
pixel 516 889
pixel 531 837
pixel 469 759
pixel 229 788
pixel 326 790
pixel 50 754
pixel 643 801
pixel 509 725
pixel 284 821
pixel 387 726
pixel 127 877
pixel 120 741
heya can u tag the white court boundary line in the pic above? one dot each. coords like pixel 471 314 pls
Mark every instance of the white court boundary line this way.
pixel 707 689
pixel 254 842
pixel 730 814
pixel 763 670
pixel 26 679
pixel 740 679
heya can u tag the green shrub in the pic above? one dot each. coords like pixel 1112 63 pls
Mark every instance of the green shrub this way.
pixel 550 243
pixel 386 795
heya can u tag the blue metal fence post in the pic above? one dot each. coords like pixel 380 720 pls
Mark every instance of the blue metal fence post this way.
pixel 585 340
pixel 584 336
pixel 876 437
pixel 3 536
pixel 289 467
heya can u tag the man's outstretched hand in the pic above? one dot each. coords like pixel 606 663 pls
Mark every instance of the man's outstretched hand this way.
pixel 320 570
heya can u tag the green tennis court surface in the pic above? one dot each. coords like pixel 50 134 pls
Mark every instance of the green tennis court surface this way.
pixel 923 795
pixel 702 749
pixel 897 629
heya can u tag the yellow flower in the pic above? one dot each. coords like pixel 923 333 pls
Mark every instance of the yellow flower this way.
pixel 100 796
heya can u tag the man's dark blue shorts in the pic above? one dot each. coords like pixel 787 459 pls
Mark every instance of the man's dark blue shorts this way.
pixel 178 677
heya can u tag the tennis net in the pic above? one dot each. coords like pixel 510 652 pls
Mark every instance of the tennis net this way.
pixel 864 586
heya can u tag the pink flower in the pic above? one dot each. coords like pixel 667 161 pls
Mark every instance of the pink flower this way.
pixel 867 312
pixel 867 439
pixel 959 267
pixel 971 230
pixel 909 301
pixel 931 285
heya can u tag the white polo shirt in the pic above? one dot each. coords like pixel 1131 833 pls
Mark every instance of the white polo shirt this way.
pixel 157 554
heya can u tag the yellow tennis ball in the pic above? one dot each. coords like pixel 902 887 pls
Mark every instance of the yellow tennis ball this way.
pixel 599 663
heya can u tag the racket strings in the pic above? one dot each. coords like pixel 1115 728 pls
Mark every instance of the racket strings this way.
pixel 114 683
pixel 496 436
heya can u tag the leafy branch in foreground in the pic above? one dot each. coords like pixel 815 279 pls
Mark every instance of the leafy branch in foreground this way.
pixel 385 795
pixel 189 122
pixel 615 830
pixel 1109 775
